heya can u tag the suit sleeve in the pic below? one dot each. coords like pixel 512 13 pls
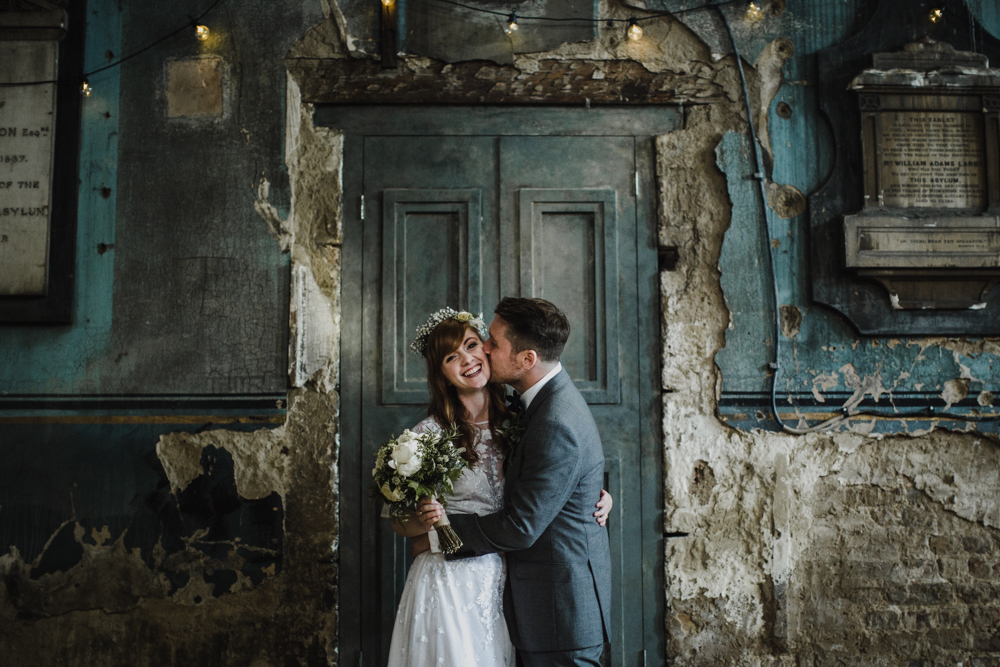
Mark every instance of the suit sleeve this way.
pixel 548 474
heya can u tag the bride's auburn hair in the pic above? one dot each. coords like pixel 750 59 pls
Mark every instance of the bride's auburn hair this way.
pixel 445 407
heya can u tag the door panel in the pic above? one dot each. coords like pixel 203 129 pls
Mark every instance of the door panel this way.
pixel 430 240
pixel 544 215
pixel 568 248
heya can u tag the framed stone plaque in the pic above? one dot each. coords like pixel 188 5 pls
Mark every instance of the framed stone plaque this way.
pixel 27 119
pixel 929 230
pixel 40 75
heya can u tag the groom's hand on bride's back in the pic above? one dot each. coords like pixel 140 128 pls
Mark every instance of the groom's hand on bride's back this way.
pixel 603 506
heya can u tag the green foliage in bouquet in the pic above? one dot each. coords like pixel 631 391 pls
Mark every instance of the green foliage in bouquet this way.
pixel 414 466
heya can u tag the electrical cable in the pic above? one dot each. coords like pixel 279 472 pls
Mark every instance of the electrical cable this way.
pixel 847 413
pixel 192 22
pixel 588 19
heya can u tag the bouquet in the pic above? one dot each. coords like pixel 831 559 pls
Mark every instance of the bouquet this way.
pixel 413 466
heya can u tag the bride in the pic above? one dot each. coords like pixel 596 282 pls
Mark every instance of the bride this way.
pixel 451 613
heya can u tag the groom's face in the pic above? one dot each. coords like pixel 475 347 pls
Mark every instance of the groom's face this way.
pixel 503 361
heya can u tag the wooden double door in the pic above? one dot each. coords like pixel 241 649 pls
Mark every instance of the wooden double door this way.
pixel 460 207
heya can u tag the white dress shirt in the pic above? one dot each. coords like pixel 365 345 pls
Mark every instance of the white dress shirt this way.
pixel 533 390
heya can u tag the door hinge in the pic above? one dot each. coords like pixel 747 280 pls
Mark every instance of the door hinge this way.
pixel 636 192
pixel 362 207
pixel 643 656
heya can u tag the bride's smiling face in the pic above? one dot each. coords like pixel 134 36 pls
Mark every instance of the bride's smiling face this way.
pixel 467 367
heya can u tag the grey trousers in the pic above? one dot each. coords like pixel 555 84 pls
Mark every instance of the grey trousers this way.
pixel 584 657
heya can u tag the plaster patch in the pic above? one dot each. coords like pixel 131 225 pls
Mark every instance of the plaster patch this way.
pixel 258 459
pixel 954 391
pixel 194 87
pixel 269 214
pixel 824 382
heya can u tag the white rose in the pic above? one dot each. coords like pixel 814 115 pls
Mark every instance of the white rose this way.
pixel 405 457
pixel 391 495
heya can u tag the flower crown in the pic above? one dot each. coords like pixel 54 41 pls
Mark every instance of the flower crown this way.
pixel 419 345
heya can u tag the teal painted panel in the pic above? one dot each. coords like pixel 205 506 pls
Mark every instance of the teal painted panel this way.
pixel 745 277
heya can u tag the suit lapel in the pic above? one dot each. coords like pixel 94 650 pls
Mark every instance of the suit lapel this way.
pixel 556 383
pixel 553 385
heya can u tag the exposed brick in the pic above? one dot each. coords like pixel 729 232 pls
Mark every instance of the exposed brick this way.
pixel 977 544
pixel 941 544
pixel 917 518
pixel 886 619
pixel 919 619
pixel 953 569
pixel 984 616
pixel 929 593
pixel 980 569
pixel 948 639
pixel 978 593
pixel 985 661
pixel 953 617
pixel 986 641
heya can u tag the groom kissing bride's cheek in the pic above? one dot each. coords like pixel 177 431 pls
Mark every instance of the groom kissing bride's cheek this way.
pixel 534 570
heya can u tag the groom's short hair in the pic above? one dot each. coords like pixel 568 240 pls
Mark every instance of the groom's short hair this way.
pixel 534 324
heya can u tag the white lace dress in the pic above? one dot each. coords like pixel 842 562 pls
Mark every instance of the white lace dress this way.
pixel 451 612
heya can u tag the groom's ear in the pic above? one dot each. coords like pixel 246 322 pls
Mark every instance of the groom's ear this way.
pixel 528 359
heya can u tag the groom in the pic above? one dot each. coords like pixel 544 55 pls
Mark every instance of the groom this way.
pixel 557 599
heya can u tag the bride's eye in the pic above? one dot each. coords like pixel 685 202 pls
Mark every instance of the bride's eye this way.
pixel 449 358
pixel 472 345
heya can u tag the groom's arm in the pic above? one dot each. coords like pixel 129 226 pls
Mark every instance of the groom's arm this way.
pixel 547 475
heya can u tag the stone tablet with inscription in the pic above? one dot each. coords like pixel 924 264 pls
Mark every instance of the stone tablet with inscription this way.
pixel 27 117
pixel 932 159
pixel 930 227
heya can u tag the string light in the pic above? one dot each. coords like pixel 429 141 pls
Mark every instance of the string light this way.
pixel 387 3
pixel 86 89
pixel 936 15
pixel 511 24
pixel 754 13
pixel 202 32
pixel 634 31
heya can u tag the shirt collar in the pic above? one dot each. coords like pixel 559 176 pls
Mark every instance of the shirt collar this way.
pixel 533 390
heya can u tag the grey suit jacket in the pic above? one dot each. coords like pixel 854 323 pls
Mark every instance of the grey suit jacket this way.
pixel 558 591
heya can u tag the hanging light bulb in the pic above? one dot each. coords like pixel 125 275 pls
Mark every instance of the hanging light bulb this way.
pixel 387 3
pixel 936 15
pixel 754 13
pixel 201 32
pixel 634 31
pixel 86 89
pixel 511 24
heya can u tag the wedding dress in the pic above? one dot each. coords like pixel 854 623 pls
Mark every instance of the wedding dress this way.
pixel 451 613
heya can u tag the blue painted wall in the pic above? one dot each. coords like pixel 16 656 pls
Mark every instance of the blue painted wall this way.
pixel 826 362
pixel 180 312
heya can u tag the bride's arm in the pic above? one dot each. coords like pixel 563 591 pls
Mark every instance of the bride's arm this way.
pixel 411 528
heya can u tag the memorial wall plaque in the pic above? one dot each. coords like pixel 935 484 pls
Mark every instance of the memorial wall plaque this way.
pixel 930 129
pixel 932 159
pixel 27 121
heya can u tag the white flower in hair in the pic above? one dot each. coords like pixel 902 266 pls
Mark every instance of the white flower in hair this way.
pixel 419 345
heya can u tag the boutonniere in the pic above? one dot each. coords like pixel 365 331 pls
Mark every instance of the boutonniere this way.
pixel 512 429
